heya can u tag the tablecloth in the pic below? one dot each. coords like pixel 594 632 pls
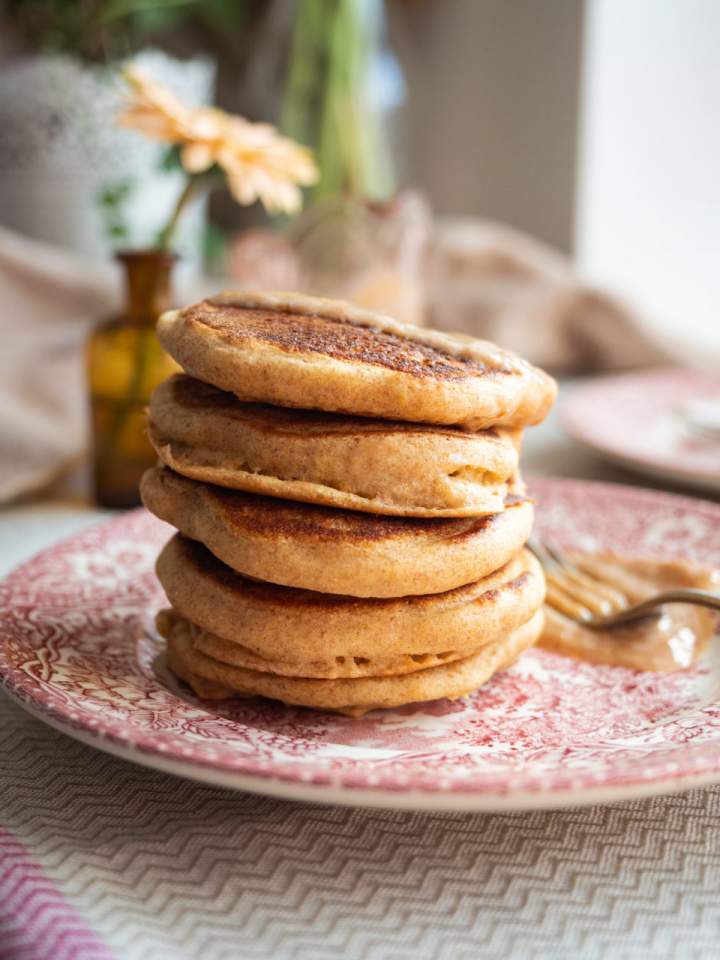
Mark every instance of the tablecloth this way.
pixel 104 860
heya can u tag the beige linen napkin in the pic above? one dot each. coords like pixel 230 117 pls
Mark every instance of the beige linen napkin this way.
pixel 501 284
pixel 49 299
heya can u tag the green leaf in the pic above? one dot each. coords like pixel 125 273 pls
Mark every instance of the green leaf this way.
pixel 111 199
pixel 170 160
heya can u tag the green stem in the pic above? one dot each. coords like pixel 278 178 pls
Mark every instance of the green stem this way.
pixel 166 234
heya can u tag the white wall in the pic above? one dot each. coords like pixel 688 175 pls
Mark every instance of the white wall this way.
pixel 648 221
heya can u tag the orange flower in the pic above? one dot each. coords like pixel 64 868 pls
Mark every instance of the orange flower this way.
pixel 260 164
pixel 152 110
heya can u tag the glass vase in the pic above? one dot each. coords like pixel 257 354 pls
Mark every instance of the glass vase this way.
pixel 125 363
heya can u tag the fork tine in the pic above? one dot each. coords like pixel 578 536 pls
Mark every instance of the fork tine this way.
pixel 566 604
pixel 585 590
pixel 623 582
pixel 579 594
pixel 561 588
pixel 586 597
pixel 559 558
pixel 594 580
pixel 538 546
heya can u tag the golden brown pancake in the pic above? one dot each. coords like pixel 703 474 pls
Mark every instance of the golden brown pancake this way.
pixel 336 551
pixel 295 351
pixel 335 668
pixel 377 466
pixel 356 696
pixel 297 627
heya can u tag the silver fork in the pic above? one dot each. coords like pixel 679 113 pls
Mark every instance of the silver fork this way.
pixel 599 605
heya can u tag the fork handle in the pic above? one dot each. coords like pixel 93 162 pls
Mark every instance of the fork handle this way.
pixel 701 598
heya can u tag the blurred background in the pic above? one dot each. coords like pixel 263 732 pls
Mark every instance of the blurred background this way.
pixel 541 174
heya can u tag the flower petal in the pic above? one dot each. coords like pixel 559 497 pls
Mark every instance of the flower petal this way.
pixel 260 164
pixel 196 157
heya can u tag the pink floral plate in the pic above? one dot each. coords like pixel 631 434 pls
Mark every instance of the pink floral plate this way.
pixel 78 650
pixel 644 421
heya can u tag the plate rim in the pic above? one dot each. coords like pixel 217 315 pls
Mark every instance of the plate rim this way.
pixel 359 795
pixel 460 801
pixel 659 470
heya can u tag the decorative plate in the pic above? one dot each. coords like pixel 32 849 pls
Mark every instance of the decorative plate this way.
pixel 78 650
pixel 644 421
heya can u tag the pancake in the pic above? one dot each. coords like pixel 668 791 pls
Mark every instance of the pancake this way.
pixel 336 551
pixel 377 466
pixel 337 668
pixel 351 696
pixel 295 351
pixel 298 627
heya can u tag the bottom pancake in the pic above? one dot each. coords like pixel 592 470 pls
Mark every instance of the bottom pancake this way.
pixel 215 680
pixel 342 667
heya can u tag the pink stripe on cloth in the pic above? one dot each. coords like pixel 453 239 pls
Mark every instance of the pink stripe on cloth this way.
pixel 36 921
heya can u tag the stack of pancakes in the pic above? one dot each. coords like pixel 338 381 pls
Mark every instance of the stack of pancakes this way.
pixel 349 506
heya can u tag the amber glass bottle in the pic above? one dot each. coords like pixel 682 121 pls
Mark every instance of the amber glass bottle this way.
pixel 125 362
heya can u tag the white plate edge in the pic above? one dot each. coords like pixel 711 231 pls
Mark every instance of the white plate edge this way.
pixel 642 468
pixel 411 800
pixel 698 481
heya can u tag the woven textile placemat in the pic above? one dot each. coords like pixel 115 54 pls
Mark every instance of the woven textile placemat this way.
pixel 102 859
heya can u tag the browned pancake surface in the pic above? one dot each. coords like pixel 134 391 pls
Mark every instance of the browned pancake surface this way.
pixel 479 593
pixel 332 550
pixel 284 519
pixel 296 333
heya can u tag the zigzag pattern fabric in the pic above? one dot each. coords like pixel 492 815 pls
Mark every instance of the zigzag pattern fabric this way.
pixel 116 862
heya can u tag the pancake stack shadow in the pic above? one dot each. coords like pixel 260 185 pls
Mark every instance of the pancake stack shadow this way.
pixel 350 514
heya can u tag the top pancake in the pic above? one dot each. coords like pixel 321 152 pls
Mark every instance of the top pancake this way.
pixel 296 351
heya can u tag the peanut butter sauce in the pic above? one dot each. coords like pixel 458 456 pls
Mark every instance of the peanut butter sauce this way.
pixel 671 641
